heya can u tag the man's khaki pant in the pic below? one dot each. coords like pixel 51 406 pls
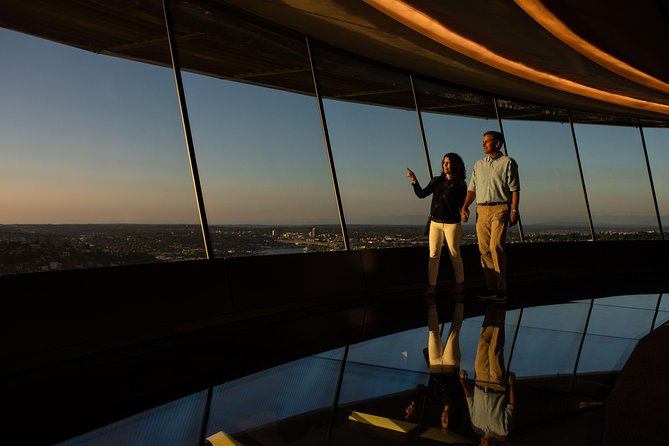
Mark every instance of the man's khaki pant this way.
pixel 491 225
pixel 489 362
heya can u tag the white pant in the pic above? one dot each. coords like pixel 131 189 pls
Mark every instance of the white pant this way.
pixel 444 358
pixel 452 233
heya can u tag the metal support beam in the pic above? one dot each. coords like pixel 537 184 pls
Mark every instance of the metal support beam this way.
pixel 513 343
pixel 650 179
pixel 580 172
pixel 204 424
pixel 422 129
pixel 335 403
pixel 176 69
pixel 657 309
pixel 578 355
pixel 328 147
pixel 501 130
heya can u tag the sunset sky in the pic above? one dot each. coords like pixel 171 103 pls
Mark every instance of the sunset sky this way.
pixel 89 138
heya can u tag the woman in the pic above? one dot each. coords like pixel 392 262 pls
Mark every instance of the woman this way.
pixel 448 192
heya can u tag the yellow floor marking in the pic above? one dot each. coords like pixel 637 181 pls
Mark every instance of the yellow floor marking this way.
pixel 449 437
pixel 385 423
pixel 221 439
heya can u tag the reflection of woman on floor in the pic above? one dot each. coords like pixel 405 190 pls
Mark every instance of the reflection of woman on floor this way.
pixel 444 365
pixel 490 408
pixel 448 192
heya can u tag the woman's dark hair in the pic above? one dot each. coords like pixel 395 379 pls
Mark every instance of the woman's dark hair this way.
pixel 458 170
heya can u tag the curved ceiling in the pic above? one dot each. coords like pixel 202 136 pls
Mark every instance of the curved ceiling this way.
pixel 505 48
pixel 594 57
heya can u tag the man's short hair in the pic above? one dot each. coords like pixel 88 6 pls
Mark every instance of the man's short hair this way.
pixel 495 134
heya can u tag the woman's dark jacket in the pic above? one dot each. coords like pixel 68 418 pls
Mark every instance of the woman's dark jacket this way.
pixel 447 198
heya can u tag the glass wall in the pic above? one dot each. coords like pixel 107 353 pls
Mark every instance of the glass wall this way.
pixel 95 166
pixel 372 147
pixel 617 182
pixel 657 143
pixel 264 169
pixel 552 202
pixel 263 164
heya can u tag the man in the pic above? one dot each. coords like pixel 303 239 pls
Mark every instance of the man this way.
pixel 490 401
pixel 495 186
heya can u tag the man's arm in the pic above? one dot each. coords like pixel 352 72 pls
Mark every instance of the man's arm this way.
pixel 512 389
pixel 464 212
pixel 515 202
pixel 466 387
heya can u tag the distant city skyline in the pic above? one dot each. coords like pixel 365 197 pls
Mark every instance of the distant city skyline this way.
pixel 88 138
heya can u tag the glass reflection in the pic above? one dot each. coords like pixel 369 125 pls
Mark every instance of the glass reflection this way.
pixel 442 397
pixel 266 407
pixel 173 424
pixel 491 397
pixel 396 389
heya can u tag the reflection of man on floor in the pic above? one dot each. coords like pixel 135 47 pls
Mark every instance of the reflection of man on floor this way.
pixel 490 408
pixel 444 365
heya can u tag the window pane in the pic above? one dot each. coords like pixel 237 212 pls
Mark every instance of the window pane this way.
pixel 299 394
pixel 264 170
pixel 658 158
pixel 545 355
pixel 548 340
pixel 613 332
pixel 93 144
pixel 552 203
pixel 617 182
pixel 372 147
pixel 609 318
pixel 263 165
pixel 176 423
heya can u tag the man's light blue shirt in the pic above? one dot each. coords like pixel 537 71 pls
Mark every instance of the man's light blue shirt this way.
pixel 494 179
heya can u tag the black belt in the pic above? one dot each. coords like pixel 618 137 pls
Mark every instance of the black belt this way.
pixel 489 389
pixel 493 203
pixel 443 221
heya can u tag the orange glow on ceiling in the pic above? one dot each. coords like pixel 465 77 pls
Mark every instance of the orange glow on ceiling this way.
pixel 434 30
pixel 536 10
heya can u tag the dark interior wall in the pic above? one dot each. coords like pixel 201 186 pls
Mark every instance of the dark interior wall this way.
pixel 83 348
pixel 54 316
